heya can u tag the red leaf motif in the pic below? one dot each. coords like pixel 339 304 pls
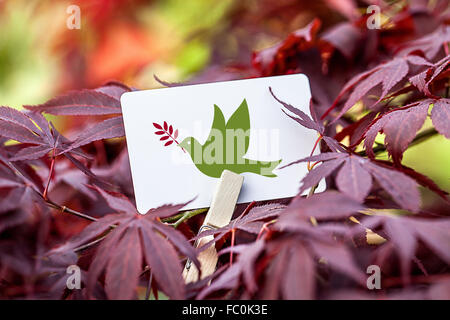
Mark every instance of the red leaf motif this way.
pixel 167 131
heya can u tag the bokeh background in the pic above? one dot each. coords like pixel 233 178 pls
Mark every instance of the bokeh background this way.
pixel 177 40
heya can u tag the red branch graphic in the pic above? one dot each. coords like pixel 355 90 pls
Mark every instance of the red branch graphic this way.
pixel 167 133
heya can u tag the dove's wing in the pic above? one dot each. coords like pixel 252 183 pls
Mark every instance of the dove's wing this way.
pixel 240 120
pixel 218 124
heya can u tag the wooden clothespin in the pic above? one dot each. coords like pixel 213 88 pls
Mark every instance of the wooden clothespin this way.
pixel 219 215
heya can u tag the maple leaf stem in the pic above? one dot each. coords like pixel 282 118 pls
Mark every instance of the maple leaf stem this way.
pixel 418 139
pixel 247 209
pixel 52 168
pixel 89 244
pixel 54 205
pixel 265 228
pixel 312 151
pixel 149 286
pixel 233 233
pixel 312 190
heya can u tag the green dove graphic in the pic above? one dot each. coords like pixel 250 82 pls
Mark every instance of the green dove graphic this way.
pixel 226 146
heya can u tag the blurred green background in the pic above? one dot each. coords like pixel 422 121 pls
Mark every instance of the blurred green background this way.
pixel 132 40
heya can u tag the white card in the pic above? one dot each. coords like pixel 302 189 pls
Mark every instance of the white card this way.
pixel 174 174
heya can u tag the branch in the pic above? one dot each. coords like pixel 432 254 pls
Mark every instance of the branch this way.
pixel 56 206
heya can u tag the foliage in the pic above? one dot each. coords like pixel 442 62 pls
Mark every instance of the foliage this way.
pixel 68 200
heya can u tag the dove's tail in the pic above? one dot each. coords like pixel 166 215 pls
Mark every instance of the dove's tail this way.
pixel 264 168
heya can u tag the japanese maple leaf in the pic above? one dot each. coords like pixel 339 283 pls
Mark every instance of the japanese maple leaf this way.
pixel 356 130
pixel 424 79
pixel 292 272
pixel 430 44
pixel 401 125
pixel 440 115
pixel 134 239
pixel 251 223
pixel 304 120
pixel 20 187
pixel 18 126
pixel 244 267
pixel 17 198
pixel 291 269
pixel 118 173
pixel 16 255
pixel 73 177
pixel 387 75
pixel 287 265
pixel 355 175
pixel 273 60
pixel 104 100
pixel 107 129
pixel 52 271
pixel 328 205
pixel 405 232
pixel 20 247
pixel 32 129
pixel 344 37
pixel 418 177
pixel 27 177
